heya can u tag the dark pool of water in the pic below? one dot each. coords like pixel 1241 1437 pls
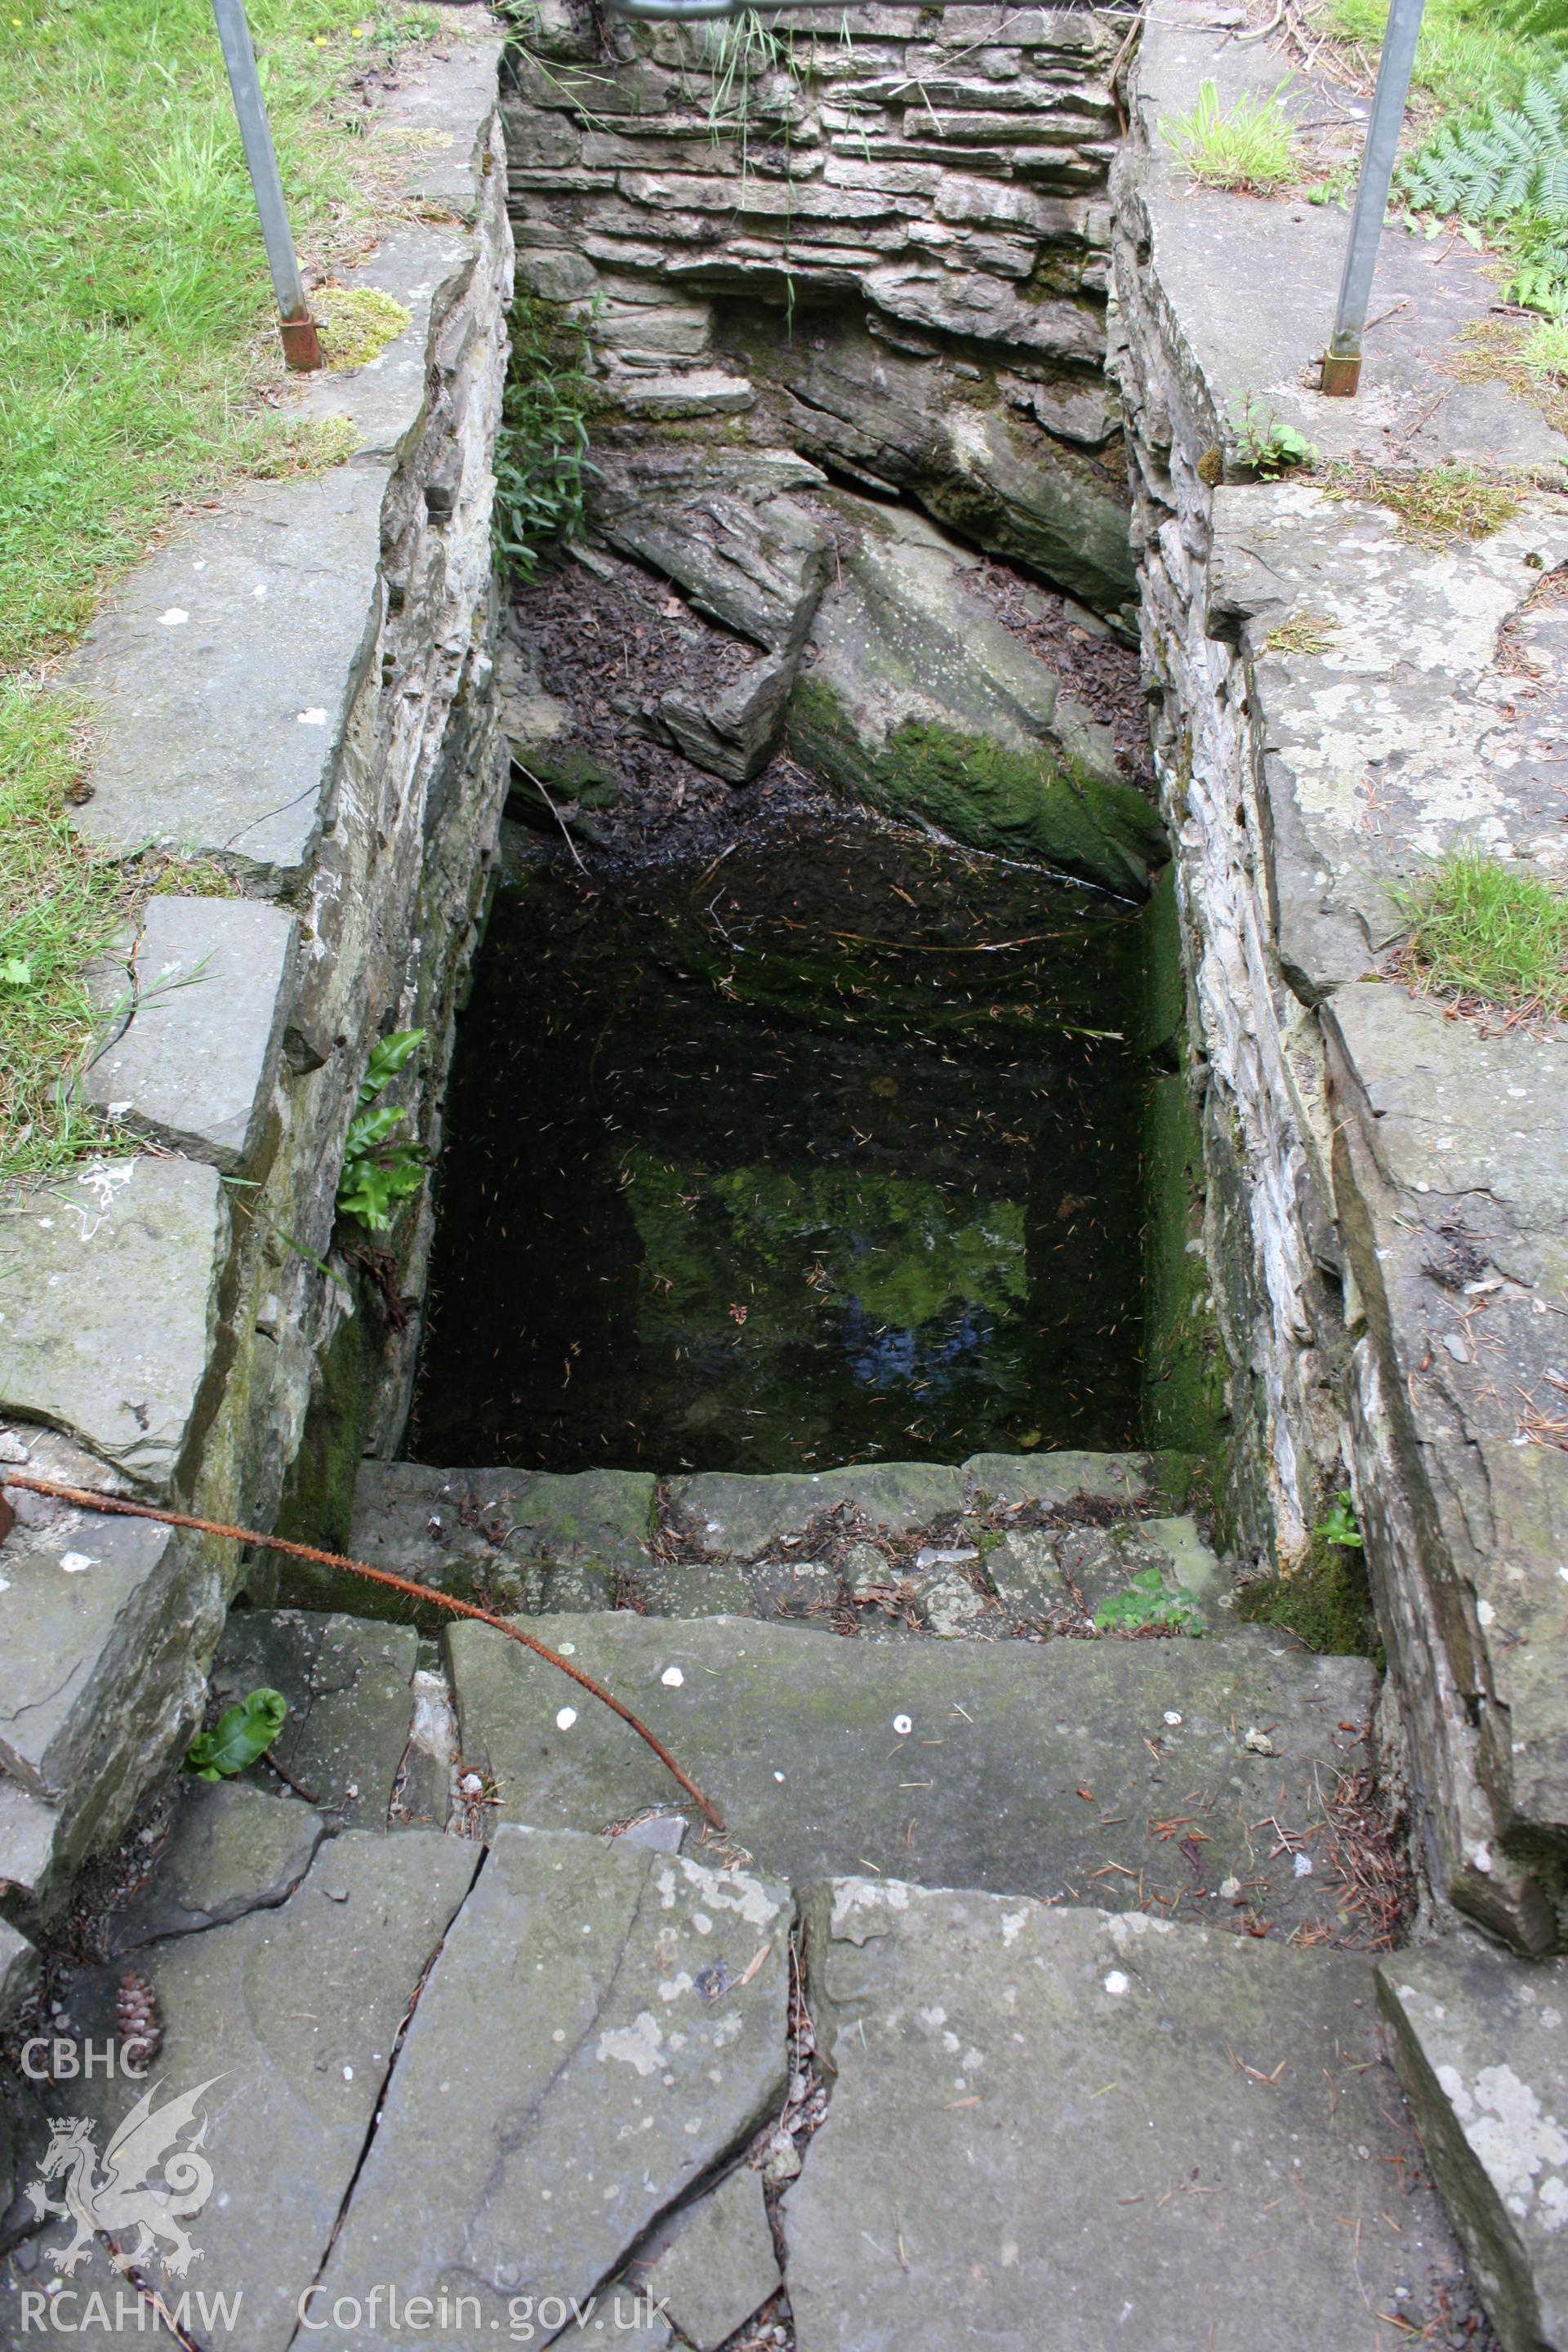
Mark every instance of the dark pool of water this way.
pixel 805 1157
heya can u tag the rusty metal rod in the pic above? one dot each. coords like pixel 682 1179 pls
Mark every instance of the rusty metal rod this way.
pixel 85 1498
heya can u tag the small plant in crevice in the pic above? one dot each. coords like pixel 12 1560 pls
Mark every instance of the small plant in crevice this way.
pixel 1248 148
pixel 1489 934
pixel 378 1172
pixel 239 1738
pixel 1149 1601
pixel 1265 444
pixel 1339 1525
pixel 541 464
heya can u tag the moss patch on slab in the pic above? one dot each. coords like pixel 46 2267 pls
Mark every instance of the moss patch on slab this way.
pixel 982 793
pixel 357 322
pixel 1326 1601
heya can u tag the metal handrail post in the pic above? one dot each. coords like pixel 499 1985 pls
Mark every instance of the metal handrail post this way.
pixel 1341 361
pixel 301 346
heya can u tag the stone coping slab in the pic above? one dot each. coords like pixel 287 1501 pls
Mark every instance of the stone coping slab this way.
pixel 1076 2132
pixel 1481 2047
pixel 113 1265
pixel 81 1592
pixel 1415 695
pixel 1067 1770
pixel 194 1065
pixel 602 2027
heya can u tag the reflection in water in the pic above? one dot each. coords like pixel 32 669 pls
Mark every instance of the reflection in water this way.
pixel 821 1155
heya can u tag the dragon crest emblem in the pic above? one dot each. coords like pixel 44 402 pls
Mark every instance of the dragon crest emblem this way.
pixel 149 2183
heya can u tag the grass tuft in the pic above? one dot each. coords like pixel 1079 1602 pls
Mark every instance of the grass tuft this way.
pixel 1248 148
pixel 1304 633
pixel 1436 505
pixel 1490 934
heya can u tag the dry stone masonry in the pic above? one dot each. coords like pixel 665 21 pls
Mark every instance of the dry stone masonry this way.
pixel 1046 1986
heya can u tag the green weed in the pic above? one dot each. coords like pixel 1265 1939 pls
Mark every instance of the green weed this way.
pixel 1491 933
pixel 1248 147
pixel 1148 1600
pixel 1265 443
pixel 378 1173
pixel 541 460
pixel 240 1737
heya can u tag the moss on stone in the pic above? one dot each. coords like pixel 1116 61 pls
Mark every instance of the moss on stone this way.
pixel 1024 803
pixel 357 322
pixel 1183 1362
pixel 1325 1601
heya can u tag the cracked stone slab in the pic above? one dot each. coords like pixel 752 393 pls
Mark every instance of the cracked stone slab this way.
pixel 285 2021
pixel 349 1684
pixel 1068 1770
pixel 720 2265
pixel 221 710
pixel 231 1850
pixel 1481 2047
pixel 194 1065
pixel 533 1540
pixel 737 1518
pixel 603 2027
pixel 116 1264
pixel 1043 2133
pixel 84 1600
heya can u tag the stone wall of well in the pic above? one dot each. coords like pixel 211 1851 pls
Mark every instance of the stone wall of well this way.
pixel 1337 701
pixel 297 692
pixel 886 249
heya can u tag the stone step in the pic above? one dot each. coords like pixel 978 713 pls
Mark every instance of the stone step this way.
pixel 1197 1778
pixel 993 2119
pixel 1000 1545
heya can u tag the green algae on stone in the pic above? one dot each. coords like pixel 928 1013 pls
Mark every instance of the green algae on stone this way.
pixel 985 794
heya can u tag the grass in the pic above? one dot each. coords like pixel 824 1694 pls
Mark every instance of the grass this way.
pixel 139 343
pixel 1468 55
pixel 1248 148
pixel 1435 506
pixel 1484 933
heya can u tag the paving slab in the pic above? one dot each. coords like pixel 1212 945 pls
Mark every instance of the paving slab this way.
pixel 285 2022
pixel 28 1830
pixel 94 2305
pixel 1042 2134
pixel 349 1684
pixel 603 2027
pixel 527 1539
pixel 222 711
pixel 720 2266
pixel 193 1063
pixel 118 1263
pixel 1481 2047
pixel 1070 1770
pixel 230 1850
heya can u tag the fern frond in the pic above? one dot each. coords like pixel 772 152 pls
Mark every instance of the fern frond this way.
pixel 1514 160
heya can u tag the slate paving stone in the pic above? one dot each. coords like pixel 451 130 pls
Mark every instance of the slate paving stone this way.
pixel 528 1538
pixel 81 1594
pixel 1068 1770
pixel 194 1065
pixel 1042 2133
pixel 286 2022
pixel 739 1518
pixel 115 1264
pixel 230 1850
pixel 348 1681
pixel 94 2305
pixel 1481 2047
pixel 603 2027
pixel 720 2266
